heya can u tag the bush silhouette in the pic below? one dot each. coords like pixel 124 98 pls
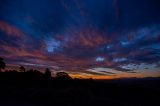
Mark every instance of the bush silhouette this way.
pixel 22 69
pixel 62 75
pixel 2 64
pixel 47 73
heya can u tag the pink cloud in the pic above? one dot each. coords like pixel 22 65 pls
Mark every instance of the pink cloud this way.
pixel 10 30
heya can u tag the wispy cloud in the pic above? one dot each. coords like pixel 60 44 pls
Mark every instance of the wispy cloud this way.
pixel 10 30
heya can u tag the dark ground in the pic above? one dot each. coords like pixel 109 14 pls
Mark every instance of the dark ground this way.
pixel 35 89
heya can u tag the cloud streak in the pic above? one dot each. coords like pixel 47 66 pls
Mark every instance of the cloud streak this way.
pixel 10 30
pixel 82 37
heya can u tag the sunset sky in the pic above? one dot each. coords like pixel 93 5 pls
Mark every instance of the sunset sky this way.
pixel 99 39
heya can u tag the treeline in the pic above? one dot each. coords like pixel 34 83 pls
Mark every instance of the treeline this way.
pixel 35 78
pixel 23 71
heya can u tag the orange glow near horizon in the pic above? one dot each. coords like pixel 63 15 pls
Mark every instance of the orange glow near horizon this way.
pixel 105 77
pixel 81 75
pixel 117 76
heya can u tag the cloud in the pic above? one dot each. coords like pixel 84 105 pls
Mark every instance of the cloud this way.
pixel 87 38
pixel 79 36
pixel 10 30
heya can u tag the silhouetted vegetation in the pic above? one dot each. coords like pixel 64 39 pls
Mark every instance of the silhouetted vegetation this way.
pixel 2 64
pixel 47 73
pixel 62 75
pixel 22 69
pixel 34 88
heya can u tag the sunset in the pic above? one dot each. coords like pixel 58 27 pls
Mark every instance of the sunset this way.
pixel 81 39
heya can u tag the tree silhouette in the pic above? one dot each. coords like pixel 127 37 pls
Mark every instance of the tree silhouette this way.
pixel 47 73
pixel 22 69
pixel 62 75
pixel 2 64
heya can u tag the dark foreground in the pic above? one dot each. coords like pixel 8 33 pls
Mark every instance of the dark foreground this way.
pixel 25 89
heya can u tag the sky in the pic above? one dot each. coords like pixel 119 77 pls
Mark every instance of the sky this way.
pixel 98 39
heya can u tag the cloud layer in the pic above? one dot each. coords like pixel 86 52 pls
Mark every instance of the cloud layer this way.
pixel 82 36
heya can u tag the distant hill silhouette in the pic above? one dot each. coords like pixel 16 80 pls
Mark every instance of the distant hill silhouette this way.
pixel 34 88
